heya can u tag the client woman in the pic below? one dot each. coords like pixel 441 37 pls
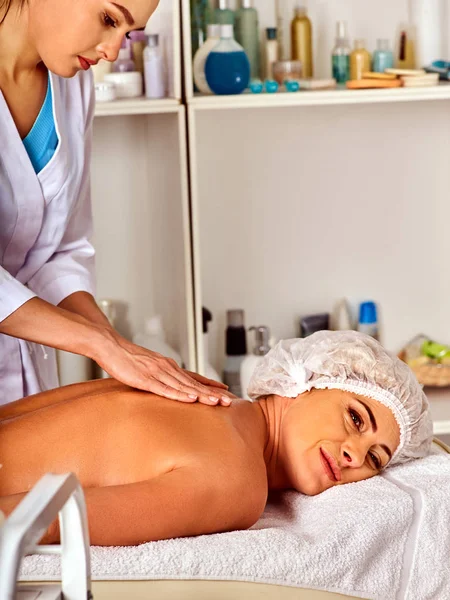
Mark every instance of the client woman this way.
pixel 332 408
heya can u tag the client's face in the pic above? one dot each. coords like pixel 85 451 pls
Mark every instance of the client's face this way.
pixel 331 437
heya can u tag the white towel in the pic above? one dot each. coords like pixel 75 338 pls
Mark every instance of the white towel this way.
pixel 386 538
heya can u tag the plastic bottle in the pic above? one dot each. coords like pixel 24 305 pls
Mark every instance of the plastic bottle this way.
pixel 124 62
pixel 236 350
pixel 271 52
pixel 429 18
pixel 210 372
pixel 340 318
pixel 368 322
pixel 153 338
pixel 341 54
pixel 383 57
pixel 201 57
pixel 154 69
pixel 406 51
pixel 301 36
pixel 73 368
pixel 247 34
pixel 227 67
pixel 223 15
pixel 359 60
pixel 251 361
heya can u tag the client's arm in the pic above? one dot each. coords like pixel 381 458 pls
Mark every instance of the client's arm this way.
pixel 187 501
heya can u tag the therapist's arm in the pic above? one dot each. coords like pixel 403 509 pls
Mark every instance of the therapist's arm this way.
pixel 84 304
pixel 39 321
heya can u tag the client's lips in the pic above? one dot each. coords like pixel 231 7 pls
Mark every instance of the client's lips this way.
pixel 330 466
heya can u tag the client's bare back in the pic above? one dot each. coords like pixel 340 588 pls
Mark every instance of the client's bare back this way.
pixel 151 468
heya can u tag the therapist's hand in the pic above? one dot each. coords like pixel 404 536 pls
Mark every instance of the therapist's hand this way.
pixel 146 370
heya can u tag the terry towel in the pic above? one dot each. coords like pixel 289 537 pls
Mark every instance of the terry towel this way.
pixel 386 538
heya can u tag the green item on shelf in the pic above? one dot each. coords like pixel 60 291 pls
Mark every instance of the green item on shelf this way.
pixel 435 350
pixel 201 14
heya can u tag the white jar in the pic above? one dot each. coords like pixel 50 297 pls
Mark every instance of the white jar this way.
pixel 105 91
pixel 201 56
pixel 128 85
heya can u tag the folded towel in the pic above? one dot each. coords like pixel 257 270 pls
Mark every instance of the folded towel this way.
pixel 385 538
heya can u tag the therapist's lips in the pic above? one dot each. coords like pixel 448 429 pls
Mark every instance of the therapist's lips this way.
pixel 330 466
pixel 86 63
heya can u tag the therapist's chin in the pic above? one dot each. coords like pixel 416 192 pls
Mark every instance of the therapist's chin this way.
pixel 68 69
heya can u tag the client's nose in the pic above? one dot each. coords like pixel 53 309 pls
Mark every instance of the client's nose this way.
pixel 352 456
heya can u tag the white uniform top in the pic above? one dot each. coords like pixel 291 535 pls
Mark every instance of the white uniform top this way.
pixel 45 225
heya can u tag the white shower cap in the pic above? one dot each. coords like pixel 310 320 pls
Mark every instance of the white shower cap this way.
pixel 353 362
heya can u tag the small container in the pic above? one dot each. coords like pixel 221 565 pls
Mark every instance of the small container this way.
pixel 313 323
pixel 100 70
pixel 271 52
pixel 236 350
pixel 360 61
pixel 128 85
pixel 383 57
pixel 256 86
pixel 271 86
pixel 124 62
pixel 251 361
pixel 341 54
pixel 155 86
pixel 154 338
pixel 368 322
pixel 105 91
pixel 287 70
pixel 108 308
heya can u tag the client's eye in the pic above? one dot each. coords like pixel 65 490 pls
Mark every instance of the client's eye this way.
pixel 376 461
pixel 356 419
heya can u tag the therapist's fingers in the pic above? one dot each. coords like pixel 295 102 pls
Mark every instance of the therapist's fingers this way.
pixel 206 380
pixel 206 394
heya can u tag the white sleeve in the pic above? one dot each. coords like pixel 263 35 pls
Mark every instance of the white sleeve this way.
pixel 71 268
pixel 12 294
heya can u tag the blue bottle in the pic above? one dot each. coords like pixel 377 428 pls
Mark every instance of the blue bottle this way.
pixel 227 68
pixel 383 57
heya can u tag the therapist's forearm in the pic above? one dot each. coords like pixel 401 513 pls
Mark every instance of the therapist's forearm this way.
pixel 84 304
pixel 41 322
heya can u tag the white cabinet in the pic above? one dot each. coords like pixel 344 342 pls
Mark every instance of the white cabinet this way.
pixel 301 199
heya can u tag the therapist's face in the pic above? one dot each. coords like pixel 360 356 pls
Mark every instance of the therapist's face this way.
pixel 65 31
pixel 332 437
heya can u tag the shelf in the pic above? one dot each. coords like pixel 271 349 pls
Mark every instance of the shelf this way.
pixel 136 106
pixel 321 98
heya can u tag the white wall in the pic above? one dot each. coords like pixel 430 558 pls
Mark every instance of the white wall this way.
pixel 299 207
pixel 138 221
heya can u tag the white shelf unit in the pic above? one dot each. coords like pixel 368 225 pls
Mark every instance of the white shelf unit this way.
pixel 320 195
pixel 141 203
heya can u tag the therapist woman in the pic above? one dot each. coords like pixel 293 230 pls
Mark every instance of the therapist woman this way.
pixel 46 260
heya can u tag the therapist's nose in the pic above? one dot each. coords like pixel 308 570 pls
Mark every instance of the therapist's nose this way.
pixel 110 51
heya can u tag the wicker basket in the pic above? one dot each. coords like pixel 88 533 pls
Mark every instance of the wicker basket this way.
pixel 431 373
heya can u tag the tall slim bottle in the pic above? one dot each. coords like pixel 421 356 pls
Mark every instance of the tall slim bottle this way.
pixel 247 34
pixel 341 54
pixel 360 60
pixel 223 15
pixel 301 35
